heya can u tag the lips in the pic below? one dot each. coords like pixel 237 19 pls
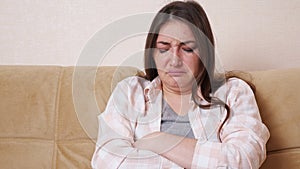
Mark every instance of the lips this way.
pixel 176 73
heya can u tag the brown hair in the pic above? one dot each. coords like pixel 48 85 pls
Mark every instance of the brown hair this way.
pixel 192 13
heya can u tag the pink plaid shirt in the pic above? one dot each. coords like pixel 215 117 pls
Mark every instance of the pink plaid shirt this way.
pixel 134 110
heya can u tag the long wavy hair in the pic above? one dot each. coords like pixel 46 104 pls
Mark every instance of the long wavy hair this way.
pixel 194 16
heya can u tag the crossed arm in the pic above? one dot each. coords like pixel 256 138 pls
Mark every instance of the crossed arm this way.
pixel 175 148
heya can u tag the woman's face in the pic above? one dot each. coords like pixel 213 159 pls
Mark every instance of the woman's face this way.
pixel 176 56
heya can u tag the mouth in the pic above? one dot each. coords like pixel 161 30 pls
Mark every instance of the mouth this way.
pixel 176 73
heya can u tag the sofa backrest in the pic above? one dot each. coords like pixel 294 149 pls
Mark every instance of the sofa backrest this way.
pixel 39 127
pixel 278 98
pixel 48 114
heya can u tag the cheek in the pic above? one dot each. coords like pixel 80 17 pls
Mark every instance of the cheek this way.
pixel 193 64
pixel 160 62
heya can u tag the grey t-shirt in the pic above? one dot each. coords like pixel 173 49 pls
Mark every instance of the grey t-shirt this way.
pixel 174 124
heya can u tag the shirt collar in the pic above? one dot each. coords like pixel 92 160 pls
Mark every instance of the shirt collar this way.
pixel 152 89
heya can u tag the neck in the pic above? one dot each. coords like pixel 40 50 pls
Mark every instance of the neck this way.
pixel 176 92
pixel 178 101
pixel 171 94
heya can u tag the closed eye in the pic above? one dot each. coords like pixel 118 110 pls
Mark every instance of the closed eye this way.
pixel 189 50
pixel 188 46
pixel 161 50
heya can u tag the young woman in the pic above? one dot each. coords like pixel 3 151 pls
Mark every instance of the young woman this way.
pixel 181 114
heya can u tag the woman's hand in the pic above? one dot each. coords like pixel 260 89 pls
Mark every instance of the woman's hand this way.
pixel 153 142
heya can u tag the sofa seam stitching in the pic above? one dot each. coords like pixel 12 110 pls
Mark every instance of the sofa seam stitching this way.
pixel 55 148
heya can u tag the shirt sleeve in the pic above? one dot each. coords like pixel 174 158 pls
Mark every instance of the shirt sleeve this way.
pixel 243 136
pixel 116 132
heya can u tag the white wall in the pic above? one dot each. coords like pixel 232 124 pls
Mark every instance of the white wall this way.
pixel 250 34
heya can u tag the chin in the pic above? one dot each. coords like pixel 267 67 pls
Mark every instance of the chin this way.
pixel 179 82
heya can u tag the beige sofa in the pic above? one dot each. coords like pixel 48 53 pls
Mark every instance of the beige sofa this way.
pixel 40 129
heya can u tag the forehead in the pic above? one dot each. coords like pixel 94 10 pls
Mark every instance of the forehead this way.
pixel 175 30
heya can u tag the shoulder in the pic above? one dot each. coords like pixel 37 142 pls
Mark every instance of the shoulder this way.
pixel 233 88
pixel 134 81
pixel 132 87
pixel 236 83
pixel 129 92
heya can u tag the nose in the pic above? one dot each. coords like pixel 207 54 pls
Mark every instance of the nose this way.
pixel 175 58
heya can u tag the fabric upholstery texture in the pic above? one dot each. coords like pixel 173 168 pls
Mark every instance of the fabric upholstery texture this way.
pixel 278 97
pixel 48 114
